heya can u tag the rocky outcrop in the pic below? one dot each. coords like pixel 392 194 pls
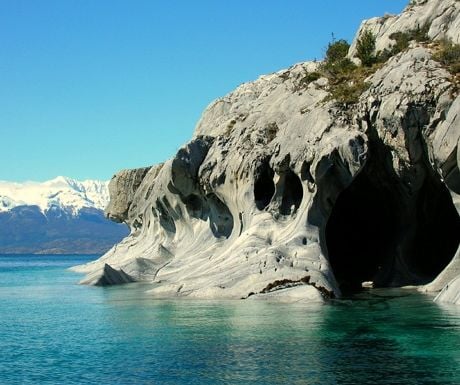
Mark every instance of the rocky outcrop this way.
pixel 108 276
pixel 440 18
pixel 122 189
pixel 284 192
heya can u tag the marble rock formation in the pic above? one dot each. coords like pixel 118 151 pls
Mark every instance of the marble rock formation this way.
pixel 285 193
pixel 451 292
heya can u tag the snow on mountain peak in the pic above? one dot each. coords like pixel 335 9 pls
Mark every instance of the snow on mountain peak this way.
pixel 69 194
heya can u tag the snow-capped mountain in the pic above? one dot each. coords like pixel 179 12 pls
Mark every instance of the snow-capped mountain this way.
pixel 68 194
pixel 61 216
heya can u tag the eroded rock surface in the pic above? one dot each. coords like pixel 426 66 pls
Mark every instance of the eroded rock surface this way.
pixel 280 184
pixel 451 292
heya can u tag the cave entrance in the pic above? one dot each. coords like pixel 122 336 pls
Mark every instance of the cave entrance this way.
pixel 377 233
pixel 292 191
pixel 264 187
pixel 360 233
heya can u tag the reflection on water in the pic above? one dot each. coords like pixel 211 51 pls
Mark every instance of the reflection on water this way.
pixel 394 336
pixel 53 331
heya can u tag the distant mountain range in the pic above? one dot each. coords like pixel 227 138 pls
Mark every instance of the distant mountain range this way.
pixel 59 216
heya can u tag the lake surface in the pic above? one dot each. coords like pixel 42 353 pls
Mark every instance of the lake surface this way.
pixel 53 331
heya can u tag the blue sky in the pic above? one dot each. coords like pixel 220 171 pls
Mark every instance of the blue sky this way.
pixel 90 87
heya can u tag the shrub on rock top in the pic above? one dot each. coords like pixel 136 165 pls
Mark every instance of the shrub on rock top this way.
pixel 366 49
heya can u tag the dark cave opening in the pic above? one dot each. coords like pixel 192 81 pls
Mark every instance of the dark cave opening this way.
pixel 264 187
pixel 376 233
pixel 213 208
pixel 220 217
pixel 292 193
pixel 437 234
pixel 359 233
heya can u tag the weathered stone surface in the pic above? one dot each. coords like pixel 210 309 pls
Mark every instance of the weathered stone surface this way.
pixel 441 16
pixel 122 189
pixel 450 293
pixel 282 188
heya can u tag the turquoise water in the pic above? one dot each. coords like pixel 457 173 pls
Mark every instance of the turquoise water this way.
pixel 53 331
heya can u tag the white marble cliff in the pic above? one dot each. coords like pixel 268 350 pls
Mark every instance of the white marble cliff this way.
pixel 304 184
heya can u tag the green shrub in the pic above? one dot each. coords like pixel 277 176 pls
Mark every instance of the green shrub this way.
pixel 311 77
pixel 448 55
pixel 366 49
pixel 338 69
pixel 347 89
pixel 402 40
pixel 336 63
pixel 346 79
pixel 348 92
pixel 337 50
pixel 306 80
pixel 420 34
